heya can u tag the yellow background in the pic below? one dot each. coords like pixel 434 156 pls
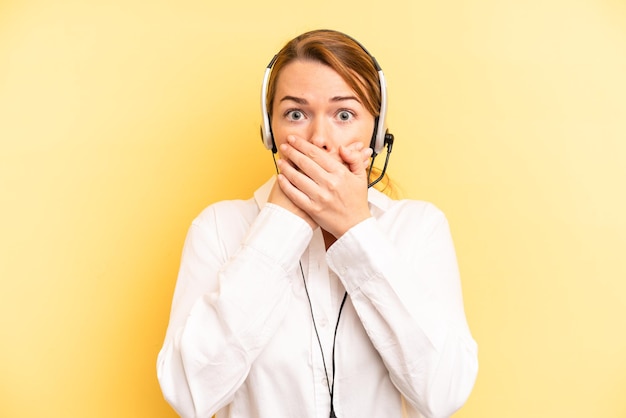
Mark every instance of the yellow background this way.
pixel 121 120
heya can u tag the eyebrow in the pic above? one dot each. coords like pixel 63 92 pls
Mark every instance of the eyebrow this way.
pixel 302 101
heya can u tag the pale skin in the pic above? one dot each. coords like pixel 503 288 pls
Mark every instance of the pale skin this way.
pixel 322 132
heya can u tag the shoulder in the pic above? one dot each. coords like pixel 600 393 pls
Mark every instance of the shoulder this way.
pixel 226 222
pixel 383 206
pixel 405 210
pixel 228 211
pixel 417 210
pixel 236 211
pixel 413 221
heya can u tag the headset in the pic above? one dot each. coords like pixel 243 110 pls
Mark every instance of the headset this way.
pixel 380 136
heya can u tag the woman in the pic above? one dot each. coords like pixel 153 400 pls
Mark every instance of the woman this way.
pixel 319 296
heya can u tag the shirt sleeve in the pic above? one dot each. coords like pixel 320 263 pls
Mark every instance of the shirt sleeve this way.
pixel 407 294
pixel 226 306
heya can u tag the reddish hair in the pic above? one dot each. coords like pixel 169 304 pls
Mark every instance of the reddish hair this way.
pixel 341 53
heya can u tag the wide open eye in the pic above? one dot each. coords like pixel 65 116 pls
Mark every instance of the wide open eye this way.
pixel 294 115
pixel 345 115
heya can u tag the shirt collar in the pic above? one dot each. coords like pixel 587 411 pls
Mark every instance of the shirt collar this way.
pixel 379 202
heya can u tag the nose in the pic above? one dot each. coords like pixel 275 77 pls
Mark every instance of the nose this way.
pixel 319 134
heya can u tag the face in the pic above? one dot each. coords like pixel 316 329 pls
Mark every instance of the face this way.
pixel 314 103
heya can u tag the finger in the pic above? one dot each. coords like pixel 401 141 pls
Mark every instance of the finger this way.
pixel 304 165
pixel 295 195
pixel 366 159
pixel 320 156
pixel 278 197
pixel 295 176
pixel 307 193
pixel 366 152
pixel 355 158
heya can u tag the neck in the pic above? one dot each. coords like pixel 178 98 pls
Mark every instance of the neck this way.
pixel 329 239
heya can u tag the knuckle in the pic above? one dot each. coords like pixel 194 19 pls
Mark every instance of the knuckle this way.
pixel 333 184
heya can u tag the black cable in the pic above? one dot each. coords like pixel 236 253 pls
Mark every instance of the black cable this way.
pixel 331 389
pixel 389 143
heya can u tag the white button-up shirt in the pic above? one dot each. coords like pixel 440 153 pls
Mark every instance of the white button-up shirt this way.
pixel 241 341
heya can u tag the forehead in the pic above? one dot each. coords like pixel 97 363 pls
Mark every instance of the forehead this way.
pixel 308 76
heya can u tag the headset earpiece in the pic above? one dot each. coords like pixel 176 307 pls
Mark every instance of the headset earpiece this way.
pixel 266 126
pixel 380 126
